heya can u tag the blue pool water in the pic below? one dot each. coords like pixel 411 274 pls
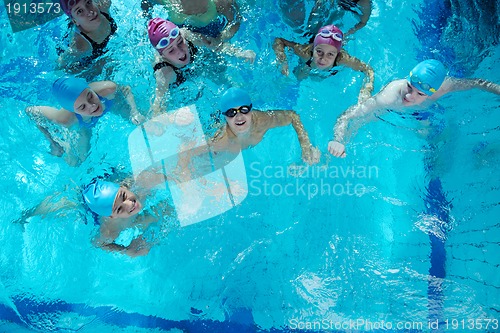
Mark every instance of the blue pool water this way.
pixel 416 246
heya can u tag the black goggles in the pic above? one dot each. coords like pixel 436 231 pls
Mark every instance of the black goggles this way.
pixel 244 109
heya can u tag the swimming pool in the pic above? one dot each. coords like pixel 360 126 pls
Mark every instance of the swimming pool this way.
pixel 281 261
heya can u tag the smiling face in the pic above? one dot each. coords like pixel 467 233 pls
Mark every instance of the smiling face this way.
pixel 240 123
pixel 126 204
pixel 88 104
pixel 412 96
pixel 177 53
pixel 324 56
pixel 86 15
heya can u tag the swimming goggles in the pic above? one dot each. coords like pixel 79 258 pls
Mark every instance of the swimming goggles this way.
pixel 165 41
pixel 244 109
pixel 419 84
pixel 329 34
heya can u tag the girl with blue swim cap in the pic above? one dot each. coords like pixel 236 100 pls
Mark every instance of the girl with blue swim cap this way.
pixel 82 106
pixel 118 211
pixel 426 83
pixel 121 224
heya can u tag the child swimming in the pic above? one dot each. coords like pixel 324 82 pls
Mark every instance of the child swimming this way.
pixel 175 53
pixel 83 104
pixel 426 83
pixel 93 29
pixel 246 127
pixel 324 53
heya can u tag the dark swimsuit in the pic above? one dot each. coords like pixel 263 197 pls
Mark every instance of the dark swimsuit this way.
pixel 182 74
pixel 107 103
pixel 213 29
pixel 350 5
pixel 332 71
pixel 98 48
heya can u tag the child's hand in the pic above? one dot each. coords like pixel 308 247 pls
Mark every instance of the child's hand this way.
pixel 311 155
pixel 247 55
pixel 136 118
pixel 154 127
pixel 336 149
pixel 183 117
pixel 284 69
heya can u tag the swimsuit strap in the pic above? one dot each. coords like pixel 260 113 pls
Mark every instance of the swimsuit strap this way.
pixel 212 29
pixel 98 48
pixel 182 74
pixel 332 71
pixel 350 5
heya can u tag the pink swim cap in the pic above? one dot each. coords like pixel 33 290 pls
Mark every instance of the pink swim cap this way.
pixel 159 28
pixel 331 35
pixel 66 5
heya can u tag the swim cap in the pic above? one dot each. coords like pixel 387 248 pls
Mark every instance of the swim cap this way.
pixel 66 5
pixel 233 98
pixel 100 197
pixel 66 90
pixel 159 28
pixel 427 76
pixel 331 35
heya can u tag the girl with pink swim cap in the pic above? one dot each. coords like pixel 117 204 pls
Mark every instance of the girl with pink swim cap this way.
pixel 324 53
pixel 175 52
pixel 93 29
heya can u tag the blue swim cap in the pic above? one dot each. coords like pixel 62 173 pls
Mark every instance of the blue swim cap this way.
pixel 428 76
pixel 66 89
pixel 233 98
pixel 100 197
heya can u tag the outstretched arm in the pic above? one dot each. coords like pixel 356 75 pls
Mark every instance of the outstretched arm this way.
pixel 49 205
pixel 230 9
pixel 135 116
pixel 366 10
pixel 279 49
pixel 279 118
pixel 356 64
pixel 452 84
pixel 341 130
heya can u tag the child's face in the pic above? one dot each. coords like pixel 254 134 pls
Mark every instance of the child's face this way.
pixel 240 123
pixel 85 14
pixel 177 53
pixel 126 204
pixel 412 96
pixel 88 104
pixel 324 56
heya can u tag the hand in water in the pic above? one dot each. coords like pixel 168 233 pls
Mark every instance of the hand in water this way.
pixel 311 156
pixel 183 117
pixel 336 149
pixel 284 69
pixel 137 118
pixel 247 55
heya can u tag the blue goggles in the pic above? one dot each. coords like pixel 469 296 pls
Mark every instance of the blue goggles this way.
pixel 419 84
pixel 165 41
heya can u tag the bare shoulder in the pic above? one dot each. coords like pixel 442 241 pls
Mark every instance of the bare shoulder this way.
pixel 104 88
